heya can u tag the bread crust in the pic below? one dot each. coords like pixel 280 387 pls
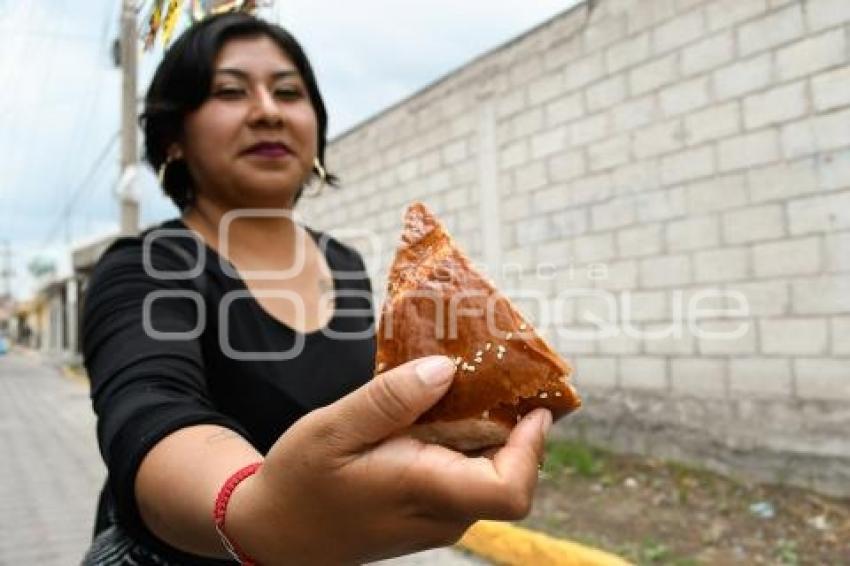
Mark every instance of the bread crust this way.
pixel 438 303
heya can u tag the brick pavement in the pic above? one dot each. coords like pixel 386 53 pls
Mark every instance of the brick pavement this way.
pixel 51 471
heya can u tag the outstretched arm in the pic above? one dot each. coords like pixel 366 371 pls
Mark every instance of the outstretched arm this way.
pixel 178 482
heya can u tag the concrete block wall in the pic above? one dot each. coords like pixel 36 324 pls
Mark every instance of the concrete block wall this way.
pixel 657 153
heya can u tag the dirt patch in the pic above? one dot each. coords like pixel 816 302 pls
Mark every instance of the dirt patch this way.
pixel 653 512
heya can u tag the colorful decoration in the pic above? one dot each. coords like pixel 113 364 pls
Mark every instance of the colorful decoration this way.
pixel 170 20
pixel 154 24
pixel 165 23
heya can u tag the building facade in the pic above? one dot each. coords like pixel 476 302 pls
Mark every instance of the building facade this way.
pixel 664 187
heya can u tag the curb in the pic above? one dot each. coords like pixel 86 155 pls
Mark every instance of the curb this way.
pixel 507 544
pixel 75 376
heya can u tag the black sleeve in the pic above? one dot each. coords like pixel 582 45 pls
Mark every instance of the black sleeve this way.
pixel 142 388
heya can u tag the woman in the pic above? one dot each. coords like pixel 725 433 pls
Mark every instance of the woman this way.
pixel 237 413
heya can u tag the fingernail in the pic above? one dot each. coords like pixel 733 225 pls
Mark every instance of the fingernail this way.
pixel 435 370
pixel 546 422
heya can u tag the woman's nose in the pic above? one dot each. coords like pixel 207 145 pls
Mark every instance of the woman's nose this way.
pixel 265 108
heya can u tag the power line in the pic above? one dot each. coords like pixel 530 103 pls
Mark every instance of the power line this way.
pixel 48 34
pixel 80 123
pixel 16 69
pixel 80 189
pixel 11 79
pixel 107 25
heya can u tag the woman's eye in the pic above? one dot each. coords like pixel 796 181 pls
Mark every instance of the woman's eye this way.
pixel 228 93
pixel 287 93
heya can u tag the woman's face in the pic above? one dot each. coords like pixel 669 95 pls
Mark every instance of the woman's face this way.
pixel 253 141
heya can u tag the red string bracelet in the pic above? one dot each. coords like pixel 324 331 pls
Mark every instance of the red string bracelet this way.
pixel 221 509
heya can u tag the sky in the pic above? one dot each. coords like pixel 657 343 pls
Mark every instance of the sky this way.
pixel 60 105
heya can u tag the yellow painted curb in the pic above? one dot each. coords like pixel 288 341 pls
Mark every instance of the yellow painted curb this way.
pixel 75 375
pixel 507 544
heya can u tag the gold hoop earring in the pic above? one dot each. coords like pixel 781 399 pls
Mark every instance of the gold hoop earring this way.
pixel 323 178
pixel 163 168
pixel 317 165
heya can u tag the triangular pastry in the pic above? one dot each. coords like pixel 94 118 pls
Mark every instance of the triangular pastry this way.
pixel 438 303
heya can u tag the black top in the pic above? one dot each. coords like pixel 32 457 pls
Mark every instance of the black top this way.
pixel 242 368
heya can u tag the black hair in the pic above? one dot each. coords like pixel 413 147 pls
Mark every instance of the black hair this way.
pixel 183 82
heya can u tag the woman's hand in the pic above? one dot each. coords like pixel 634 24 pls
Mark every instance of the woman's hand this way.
pixel 343 486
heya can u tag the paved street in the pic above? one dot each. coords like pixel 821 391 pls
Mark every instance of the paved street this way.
pixel 51 470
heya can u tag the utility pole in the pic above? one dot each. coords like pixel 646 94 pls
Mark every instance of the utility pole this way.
pixel 129 149
pixel 6 272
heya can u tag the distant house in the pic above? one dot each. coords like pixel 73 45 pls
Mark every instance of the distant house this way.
pixel 30 322
pixel 49 321
pixel 7 314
